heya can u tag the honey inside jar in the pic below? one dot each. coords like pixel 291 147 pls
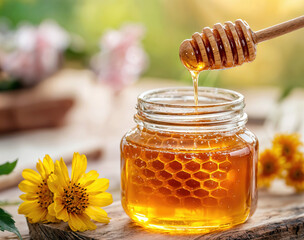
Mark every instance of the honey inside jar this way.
pixel 177 177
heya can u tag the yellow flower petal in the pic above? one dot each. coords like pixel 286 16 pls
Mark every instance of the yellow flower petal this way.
pixel 38 215
pixel 88 178
pixel 74 223
pixel 101 199
pixel 54 185
pixel 79 166
pixel 50 218
pixel 89 225
pixel 46 167
pixel 270 166
pixel 289 145
pixel 81 223
pixel 99 185
pixel 61 171
pixel 64 171
pixel 294 175
pixel 58 206
pixel 32 176
pixel 97 214
pixel 27 186
pixel 41 169
pixel 62 214
pixel 51 209
pixel 28 197
pixel 48 164
pixel 38 196
pixel 28 206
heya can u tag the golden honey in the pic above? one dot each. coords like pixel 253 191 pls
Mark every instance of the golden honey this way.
pixel 189 168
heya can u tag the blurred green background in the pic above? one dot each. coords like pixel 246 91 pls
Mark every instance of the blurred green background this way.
pixel 279 62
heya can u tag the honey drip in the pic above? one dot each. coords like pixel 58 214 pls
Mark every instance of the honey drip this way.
pixel 195 75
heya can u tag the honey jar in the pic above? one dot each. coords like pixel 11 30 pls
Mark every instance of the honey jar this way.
pixel 186 167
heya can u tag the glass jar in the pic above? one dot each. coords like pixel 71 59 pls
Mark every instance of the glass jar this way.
pixel 189 168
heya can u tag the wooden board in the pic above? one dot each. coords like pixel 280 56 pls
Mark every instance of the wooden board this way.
pixel 279 216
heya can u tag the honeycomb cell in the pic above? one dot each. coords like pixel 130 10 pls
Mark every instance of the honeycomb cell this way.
pixel 182 192
pixel 155 141
pixel 209 166
pixel 158 165
pixel 201 193
pixel 218 158
pixel 191 202
pixel 134 152
pixel 183 175
pixel 173 183
pixel 201 175
pixel 151 155
pixel 167 157
pixel 210 184
pixel 184 157
pixel 170 142
pixel 173 200
pixel 210 201
pixel 175 166
pixel 192 166
pixel 148 173
pixel 187 143
pixel 219 175
pixel 164 174
pixel 225 166
pixel 203 157
pixel 225 184
pixel 193 184
pixel 140 163
pixel 202 144
pixel 164 191
pixel 156 182
pixel 137 179
pixel 219 193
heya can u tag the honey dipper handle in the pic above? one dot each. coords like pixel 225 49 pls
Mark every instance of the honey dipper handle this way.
pixel 278 30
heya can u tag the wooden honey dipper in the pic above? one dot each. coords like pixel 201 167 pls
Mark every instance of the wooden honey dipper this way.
pixel 230 44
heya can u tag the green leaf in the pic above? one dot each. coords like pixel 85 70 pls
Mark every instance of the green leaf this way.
pixel 7 223
pixel 7 167
pixel 9 85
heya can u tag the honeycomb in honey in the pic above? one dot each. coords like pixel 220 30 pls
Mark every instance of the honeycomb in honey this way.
pixel 186 178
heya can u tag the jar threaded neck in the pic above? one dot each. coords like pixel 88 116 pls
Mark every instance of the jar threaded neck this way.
pixel 173 109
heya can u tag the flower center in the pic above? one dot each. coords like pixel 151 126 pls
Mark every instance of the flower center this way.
pixel 286 151
pixel 269 168
pixel 298 175
pixel 75 198
pixel 45 196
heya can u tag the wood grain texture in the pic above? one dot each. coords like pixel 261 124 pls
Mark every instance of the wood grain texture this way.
pixel 279 29
pixel 279 216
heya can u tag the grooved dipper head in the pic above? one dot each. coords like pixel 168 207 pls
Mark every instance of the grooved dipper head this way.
pixel 188 57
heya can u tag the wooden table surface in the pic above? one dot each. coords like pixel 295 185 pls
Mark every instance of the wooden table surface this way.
pixel 111 128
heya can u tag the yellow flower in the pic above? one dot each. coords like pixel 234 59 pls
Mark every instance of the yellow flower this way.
pixel 270 166
pixel 289 145
pixel 79 199
pixel 37 197
pixel 295 174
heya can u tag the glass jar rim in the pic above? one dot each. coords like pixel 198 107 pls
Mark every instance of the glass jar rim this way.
pixel 174 109
pixel 148 97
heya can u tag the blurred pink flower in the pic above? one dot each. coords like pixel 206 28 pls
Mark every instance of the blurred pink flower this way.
pixel 36 52
pixel 122 58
